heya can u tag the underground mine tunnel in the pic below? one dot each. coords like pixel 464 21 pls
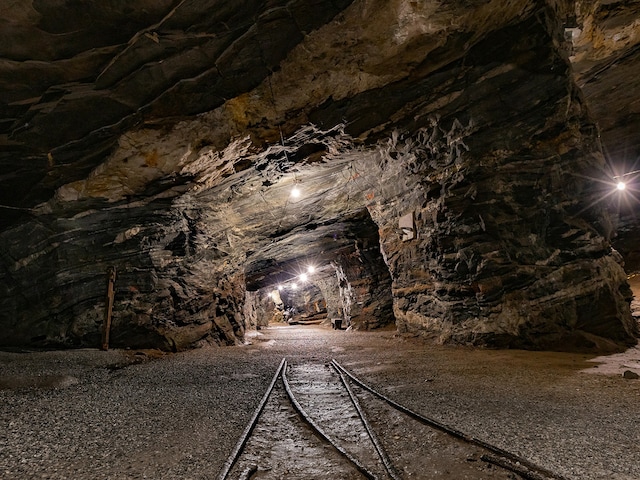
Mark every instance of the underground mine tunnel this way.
pixel 448 169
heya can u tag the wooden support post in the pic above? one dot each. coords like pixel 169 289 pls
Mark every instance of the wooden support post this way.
pixel 111 280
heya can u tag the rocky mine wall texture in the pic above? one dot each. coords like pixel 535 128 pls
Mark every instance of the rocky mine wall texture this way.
pixel 465 118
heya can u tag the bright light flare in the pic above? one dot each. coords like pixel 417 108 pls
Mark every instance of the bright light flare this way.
pixel 613 188
pixel 304 277
pixel 295 192
pixel 311 269
pixel 294 286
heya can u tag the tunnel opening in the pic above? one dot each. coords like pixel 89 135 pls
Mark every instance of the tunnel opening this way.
pixel 336 276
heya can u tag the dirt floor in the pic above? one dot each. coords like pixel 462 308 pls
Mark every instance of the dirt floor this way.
pixel 88 414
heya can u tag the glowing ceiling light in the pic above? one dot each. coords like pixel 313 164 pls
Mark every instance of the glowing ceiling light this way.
pixel 303 277
pixel 621 186
pixel 311 269
pixel 295 192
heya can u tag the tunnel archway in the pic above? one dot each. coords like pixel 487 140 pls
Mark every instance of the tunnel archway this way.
pixel 341 274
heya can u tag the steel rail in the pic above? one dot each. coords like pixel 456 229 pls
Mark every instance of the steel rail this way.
pixel 386 461
pixel 361 468
pixel 229 463
pixel 515 463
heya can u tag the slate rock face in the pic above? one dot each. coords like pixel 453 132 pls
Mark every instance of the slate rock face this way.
pixel 507 249
pixel 168 150
pixel 604 53
pixel 605 56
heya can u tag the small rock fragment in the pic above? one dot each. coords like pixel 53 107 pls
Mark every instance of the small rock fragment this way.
pixel 628 374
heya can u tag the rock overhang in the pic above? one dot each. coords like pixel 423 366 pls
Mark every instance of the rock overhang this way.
pixel 206 201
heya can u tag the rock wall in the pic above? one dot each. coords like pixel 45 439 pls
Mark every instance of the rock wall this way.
pixel 330 288
pixel 161 299
pixel 604 41
pixel 511 248
pixel 365 288
pixel 259 309
pixel 604 50
pixel 465 117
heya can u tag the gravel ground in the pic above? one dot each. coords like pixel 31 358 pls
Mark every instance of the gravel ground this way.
pixel 88 414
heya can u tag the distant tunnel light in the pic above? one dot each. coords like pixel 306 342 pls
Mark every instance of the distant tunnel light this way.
pixel 621 186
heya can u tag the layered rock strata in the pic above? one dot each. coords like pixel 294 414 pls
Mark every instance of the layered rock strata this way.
pixel 448 166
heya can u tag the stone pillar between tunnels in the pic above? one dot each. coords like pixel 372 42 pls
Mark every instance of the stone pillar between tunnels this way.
pixel 510 247
pixel 329 286
pixel 364 285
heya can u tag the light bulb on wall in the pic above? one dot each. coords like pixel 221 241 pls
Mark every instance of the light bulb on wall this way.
pixel 621 186
pixel 303 277
pixel 311 269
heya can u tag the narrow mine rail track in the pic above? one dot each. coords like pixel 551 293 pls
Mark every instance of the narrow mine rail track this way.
pixel 495 455
pixel 321 421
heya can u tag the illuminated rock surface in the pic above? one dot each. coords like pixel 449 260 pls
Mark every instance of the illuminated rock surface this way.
pixel 164 139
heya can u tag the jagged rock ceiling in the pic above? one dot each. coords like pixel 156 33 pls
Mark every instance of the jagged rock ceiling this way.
pixel 163 138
